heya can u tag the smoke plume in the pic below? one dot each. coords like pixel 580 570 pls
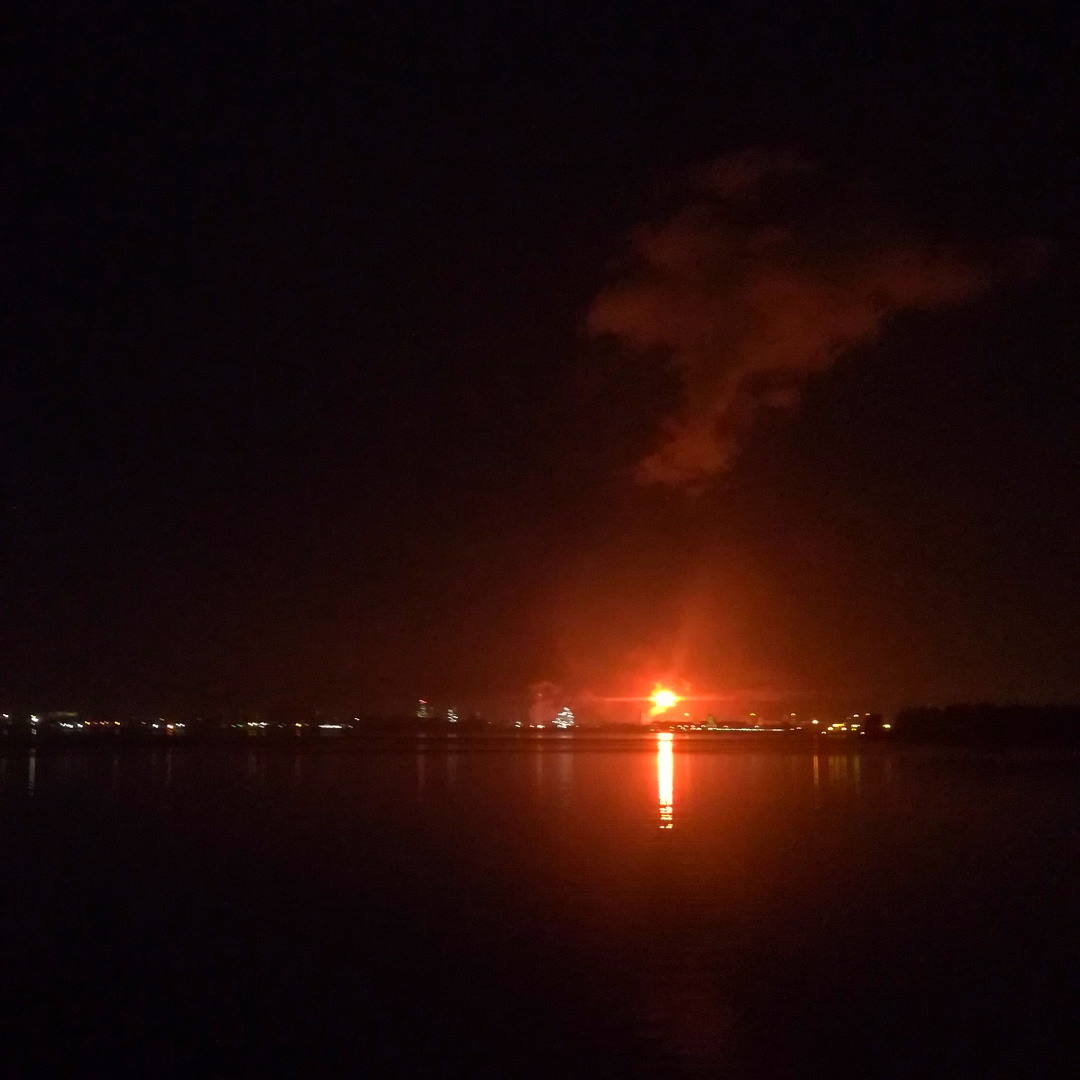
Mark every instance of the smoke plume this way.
pixel 762 280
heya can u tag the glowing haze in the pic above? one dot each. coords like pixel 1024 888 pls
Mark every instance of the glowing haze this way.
pixel 763 279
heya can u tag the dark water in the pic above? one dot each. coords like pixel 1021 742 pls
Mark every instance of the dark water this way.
pixel 556 907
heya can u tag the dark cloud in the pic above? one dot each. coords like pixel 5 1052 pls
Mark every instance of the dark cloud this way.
pixel 762 280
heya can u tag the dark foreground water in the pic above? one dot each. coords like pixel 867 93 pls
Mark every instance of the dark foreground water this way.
pixel 556 907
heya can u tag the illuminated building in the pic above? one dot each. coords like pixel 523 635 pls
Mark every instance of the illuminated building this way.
pixel 424 709
pixel 564 718
pixel 452 715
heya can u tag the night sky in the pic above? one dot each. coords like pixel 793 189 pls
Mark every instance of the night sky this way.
pixel 350 349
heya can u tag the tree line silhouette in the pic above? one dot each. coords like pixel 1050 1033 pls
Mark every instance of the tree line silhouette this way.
pixel 995 724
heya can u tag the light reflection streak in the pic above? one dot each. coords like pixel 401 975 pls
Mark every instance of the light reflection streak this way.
pixel 838 771
pixel 566 773
pixel 31 771
pixel 421 773
pixel 665 779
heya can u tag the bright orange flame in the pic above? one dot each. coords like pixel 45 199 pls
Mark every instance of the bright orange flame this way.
pixel 662 700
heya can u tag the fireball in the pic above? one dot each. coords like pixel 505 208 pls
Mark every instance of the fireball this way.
pixel 663 699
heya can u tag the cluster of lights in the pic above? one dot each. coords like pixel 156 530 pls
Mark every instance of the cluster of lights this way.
pixel 79 725
pixel 564 719
pixel 662 700
pixel 721 728
pixel 259 725
pixel 852 726
pixel 84 725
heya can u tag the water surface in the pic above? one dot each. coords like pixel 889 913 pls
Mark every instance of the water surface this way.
pixel 556 906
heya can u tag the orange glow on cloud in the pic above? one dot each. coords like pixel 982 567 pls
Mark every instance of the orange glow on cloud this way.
pixel 749 306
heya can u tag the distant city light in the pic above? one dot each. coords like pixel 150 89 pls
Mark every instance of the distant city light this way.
pixel 331 727
pixel 564 719
pixel 886 727
pixel 452 715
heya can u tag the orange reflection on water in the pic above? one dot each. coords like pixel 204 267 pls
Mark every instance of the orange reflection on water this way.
pixel 665 779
